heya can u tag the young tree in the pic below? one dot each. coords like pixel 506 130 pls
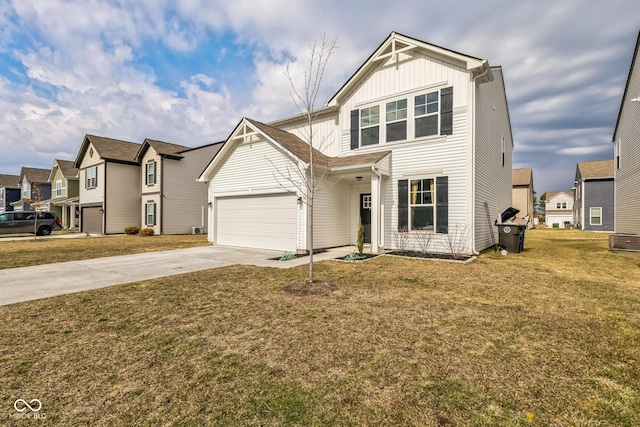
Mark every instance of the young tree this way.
pixel 305 101
pixel 36 204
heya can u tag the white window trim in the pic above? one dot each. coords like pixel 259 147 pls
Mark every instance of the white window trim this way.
pixel 152 214
pixel 591 216
pixel 413 205
pixel 151 174
pixel 91 181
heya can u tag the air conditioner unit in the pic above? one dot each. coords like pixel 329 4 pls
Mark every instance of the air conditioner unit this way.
pixel 197 230
pixel 624 242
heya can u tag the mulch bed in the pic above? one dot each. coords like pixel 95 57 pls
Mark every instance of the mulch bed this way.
pixel 297 255
pixel 359 257
pixel 442 257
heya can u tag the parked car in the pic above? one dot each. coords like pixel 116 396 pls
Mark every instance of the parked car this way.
pixel 25 222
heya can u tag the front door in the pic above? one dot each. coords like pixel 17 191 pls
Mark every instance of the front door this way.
pixel 365 215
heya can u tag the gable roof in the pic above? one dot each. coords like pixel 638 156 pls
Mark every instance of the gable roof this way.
pixel 551 194
pixel 298 148
pixel 596 169
pixel 35 174
pixel 109 149
pixel 164 149
pixel 9 181
pixel 66 167
pixel 522 177
pixel 397 43
pixel 626 87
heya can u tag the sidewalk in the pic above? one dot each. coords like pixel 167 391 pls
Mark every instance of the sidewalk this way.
pixel 43 281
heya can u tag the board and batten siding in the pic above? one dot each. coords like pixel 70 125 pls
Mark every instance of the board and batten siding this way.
pixel 493 180
pixel 627 178
pixel 252 168
pixel 123 197
pixel 183 197
pixel 445 156
pixel 327 137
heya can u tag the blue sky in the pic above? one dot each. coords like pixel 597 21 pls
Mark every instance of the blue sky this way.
pixel 186 72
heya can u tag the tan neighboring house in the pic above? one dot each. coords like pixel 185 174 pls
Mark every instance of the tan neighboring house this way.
pixel 626 139
pixel 109 182
pixel 522 198
pixel 559 209
pixel 65 194
pixel 34 185
pixel 173 202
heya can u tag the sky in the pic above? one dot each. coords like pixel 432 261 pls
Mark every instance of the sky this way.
pixel 186 72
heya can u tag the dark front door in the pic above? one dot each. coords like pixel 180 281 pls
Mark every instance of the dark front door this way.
pixel 365 215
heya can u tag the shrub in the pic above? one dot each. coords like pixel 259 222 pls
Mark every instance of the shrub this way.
pixel 132 229
pixel 360 237
pixel 147 232
pixel 287 256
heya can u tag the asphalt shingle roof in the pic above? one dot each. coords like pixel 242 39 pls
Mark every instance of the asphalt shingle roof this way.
pixel 9 181
pixel 522 176
pixel 114 149
pixel 596 169
pixel 35 174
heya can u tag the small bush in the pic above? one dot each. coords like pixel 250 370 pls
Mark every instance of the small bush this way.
pixel 132 229
pixel 147 232
pixel 287 256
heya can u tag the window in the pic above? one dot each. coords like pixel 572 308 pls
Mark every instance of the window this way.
pixel 59 188
pixel 616 149
pixel 396 115
pixel 426 114
pixel 91 177
pixel 366 201
pixel 558 205
pixel 421 196
pixel 150 209
pixel 2 197
pixel 26 190
pixel 503 150
pixel 151 173
pixel 564 205
pixel 595 216
pixel 423 204
pixel 370 125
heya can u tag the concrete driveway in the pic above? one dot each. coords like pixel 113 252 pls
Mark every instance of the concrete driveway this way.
pixel 43 281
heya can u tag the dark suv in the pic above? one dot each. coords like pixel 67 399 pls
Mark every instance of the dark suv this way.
pixel 25 222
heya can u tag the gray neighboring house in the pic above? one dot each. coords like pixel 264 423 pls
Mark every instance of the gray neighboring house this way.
pixel 109 181
pixel 626 139
pixel 593 205
pixel 173 202
pixel 32 182
pixel 9 191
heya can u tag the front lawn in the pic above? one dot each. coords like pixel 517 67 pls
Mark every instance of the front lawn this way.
pixel 550 335
pixel 23 253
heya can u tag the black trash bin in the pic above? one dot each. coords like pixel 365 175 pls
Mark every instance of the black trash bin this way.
pixel 511 235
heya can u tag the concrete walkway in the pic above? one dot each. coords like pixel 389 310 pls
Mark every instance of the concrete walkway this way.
pixel 43 281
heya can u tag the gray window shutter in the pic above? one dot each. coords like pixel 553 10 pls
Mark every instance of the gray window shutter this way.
pixel 146 174
pixel 155 174
pixel 403 203
pixel 446 111
pixel 355 129
pixel 442 204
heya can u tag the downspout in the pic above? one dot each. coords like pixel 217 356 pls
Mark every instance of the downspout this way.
pixel 473 163
pixel 378 217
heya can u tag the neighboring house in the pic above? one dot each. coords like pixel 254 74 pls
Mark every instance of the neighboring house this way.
pixel 9 191
pixel 419 138
pixel 522 198
pixel 34 185
pixel 65 193
pixel 626 138
pixel 109 181
pixel 593 196
pixel 559 209
pixel 173 202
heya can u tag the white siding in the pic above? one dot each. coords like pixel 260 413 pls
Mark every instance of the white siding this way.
pixel 123 197
pixel 327 137
pixel 92 195
pixel 331 216
pixel 150 155
pixel 493 180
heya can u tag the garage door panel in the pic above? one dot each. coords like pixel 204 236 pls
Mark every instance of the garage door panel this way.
pixel 91 220
pixel 266 222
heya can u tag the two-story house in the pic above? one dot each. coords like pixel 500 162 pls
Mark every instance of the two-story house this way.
pixel 9 191
pixel 419 138
pixel 593 207
pixel 173 202
pixel 559 209
pixel 34 185
pixel 65 192
pixel 626 139
pixel 109 181
pixel 522 196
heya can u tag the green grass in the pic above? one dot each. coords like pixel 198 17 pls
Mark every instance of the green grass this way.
pixel 24 253
pixel 554 331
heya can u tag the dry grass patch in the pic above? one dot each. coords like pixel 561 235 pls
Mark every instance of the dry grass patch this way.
pixel 24 253
pixel 402 342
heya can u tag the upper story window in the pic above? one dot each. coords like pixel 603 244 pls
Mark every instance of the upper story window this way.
pixel 503 148
pixel 370 125
pixel 426 114
pixel 422 115
pixel 396 120
pixel 91 177
pixel 59 188
pixel 561 205
pixel 26 190
pixel 150 175
pixel 616 149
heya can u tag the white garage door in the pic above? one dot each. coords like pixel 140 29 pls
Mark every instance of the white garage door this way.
pixel 265 221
